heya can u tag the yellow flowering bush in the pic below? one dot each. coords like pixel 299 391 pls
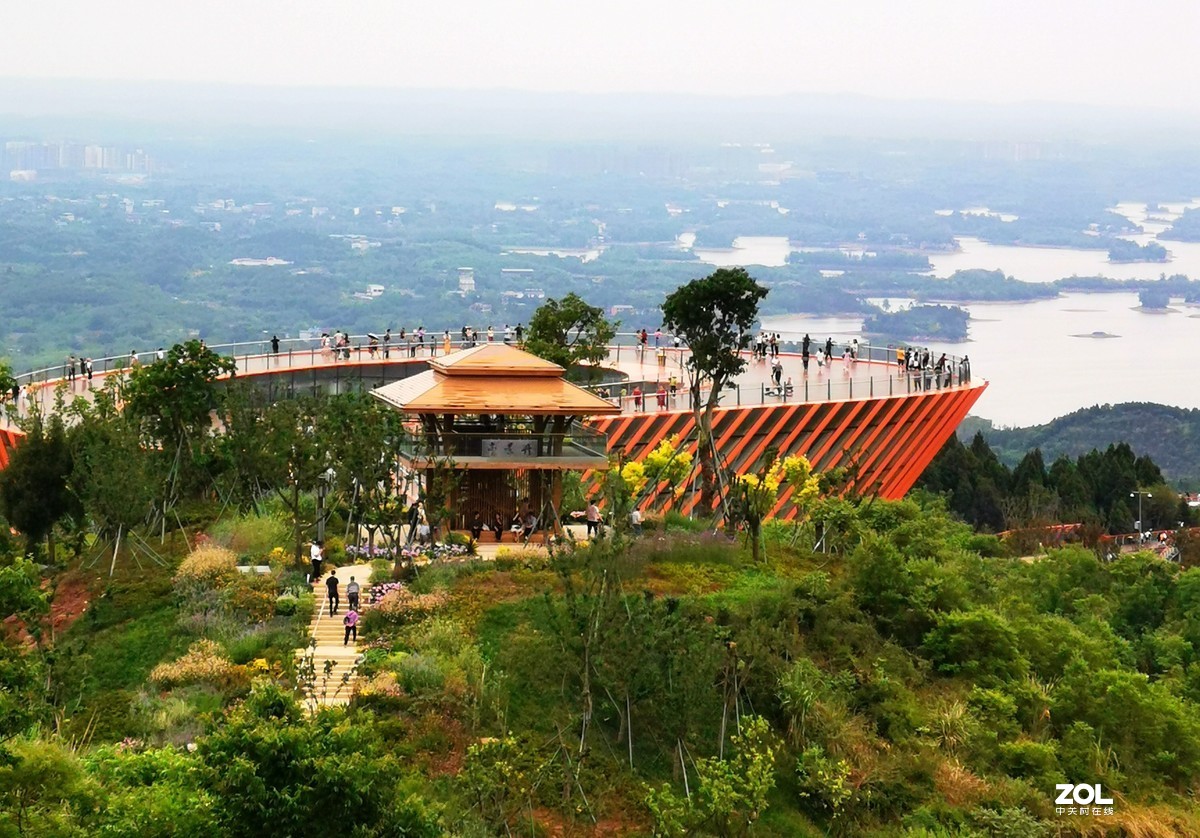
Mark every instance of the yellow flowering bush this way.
pixel 203 663
pixel 208 567
pixel 667 462
pixel 755 495
pixel 633 474
pixel 805 483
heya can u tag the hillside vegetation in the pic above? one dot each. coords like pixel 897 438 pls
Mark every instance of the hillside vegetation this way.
pixel 912 681
pixel 1168 435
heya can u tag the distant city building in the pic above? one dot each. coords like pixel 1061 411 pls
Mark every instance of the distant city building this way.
pixel 466 281
pixel 51 155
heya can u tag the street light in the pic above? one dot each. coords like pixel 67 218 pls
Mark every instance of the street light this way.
pixel 1140 494
pixel 323 486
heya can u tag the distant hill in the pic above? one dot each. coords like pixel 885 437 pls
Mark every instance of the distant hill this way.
pixel 1168 435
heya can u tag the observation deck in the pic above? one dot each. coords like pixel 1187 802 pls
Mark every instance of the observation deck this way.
pixel 870 415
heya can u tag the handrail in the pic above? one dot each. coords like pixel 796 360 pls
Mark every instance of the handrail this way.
pixel 435 340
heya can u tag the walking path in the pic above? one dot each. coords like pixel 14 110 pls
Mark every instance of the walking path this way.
pixel 334 664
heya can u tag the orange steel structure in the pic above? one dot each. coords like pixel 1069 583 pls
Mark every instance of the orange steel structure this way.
pixel 885 440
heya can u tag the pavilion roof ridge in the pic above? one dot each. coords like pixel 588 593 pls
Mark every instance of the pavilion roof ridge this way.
pixel 496 359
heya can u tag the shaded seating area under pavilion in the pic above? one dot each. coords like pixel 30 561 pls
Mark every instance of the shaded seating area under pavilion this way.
pixel 492 429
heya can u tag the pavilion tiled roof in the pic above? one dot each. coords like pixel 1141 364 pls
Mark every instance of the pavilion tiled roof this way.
pixel 496 359
pixel 493 378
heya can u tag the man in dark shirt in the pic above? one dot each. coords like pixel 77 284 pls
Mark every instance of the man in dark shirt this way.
pixel 331 585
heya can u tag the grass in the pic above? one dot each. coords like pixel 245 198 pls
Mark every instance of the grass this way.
pixel 101 663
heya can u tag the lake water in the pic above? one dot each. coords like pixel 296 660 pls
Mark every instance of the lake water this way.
pixel 1038 370
pixel 1029 264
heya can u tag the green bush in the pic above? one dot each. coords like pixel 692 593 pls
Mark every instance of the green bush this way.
pixel 1034 761
pixel 286 604
pixel 978 643
pixel 381 571
pixel 252 535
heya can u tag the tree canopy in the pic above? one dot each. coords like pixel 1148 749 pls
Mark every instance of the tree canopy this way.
pixel 714 316
pixel 173 397
pixel 570 332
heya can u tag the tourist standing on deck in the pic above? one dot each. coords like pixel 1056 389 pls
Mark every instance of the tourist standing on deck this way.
pixel 274 344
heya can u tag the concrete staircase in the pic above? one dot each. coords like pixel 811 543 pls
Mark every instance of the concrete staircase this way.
pixel 334 687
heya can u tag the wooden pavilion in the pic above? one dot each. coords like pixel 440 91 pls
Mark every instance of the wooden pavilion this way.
pixel 493 428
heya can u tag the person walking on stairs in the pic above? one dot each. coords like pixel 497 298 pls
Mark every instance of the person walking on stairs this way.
pixel 352 591
pixel 350 621
pixel 331 584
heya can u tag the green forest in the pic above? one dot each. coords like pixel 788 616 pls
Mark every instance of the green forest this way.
pixel 1170 436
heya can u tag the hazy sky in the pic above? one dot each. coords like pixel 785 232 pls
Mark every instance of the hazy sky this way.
pixel 1089 51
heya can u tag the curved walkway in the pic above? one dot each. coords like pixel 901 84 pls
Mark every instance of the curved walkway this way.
pixel 309 366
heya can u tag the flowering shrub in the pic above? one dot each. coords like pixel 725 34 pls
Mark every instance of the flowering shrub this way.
pixel 367 551
pixel 203 663
pixel 667 462
pixel 756 495
pixel 634 475
pixel 380 692
pixel 209 567
pixel 378 592
pixel 435 552
pixel 400 605
pixel 254 596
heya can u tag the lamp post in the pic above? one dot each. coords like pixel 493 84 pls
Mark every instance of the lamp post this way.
pixel 323 485
pixel 1140 494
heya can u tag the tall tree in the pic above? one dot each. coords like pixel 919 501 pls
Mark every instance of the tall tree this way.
pixel 35 492
pixel 364 438
pixel 570 332
pixel 7 381
pixel 280 448
pixel 173 398
pixel 114 474
pixel 714 316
